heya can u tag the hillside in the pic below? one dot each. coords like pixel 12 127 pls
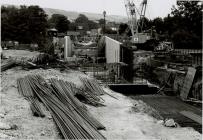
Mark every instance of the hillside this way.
pixel 72 15
pixel 92 16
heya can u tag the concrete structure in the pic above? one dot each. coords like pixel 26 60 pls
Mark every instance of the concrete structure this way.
pixel 68 47
pixel 73 33
pixel 112 51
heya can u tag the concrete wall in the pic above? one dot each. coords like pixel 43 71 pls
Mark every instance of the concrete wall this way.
pixel 112 51
pixel 68 47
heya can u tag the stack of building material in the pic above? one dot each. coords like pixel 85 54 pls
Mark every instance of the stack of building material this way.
pixel 42 58
pixel 64 93
pixel 8 64
pixel 93 89
pixel 70 115
pixel 87 97
pixel 27 92
pixel 81 94
pixel 36 108
pixel 92 86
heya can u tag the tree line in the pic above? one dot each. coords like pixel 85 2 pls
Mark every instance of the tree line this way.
pixel 29 24
pixel 62 24
pixel 24 24
pixel 183 26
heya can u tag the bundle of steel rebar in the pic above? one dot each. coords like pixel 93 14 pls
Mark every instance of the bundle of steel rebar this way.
pixel 71 86
pixel 10 63
pixel 25 90
pixel 93 87
pixel 86 96
pixel 35 106
pixel 70 115
pixel 64 94
pixel 43 58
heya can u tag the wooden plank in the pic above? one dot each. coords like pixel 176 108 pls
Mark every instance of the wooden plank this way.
pixel 187 83
pixel 192 116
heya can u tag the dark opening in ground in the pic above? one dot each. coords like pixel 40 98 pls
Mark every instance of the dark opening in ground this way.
pixel 132 89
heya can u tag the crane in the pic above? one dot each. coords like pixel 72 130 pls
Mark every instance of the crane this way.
pixel 133 13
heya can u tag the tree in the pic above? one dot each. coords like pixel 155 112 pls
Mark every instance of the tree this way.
pixel 37 24
pixel 183 26
pixel 145 24
pixel 188 28
pixel 9 19
pixel 87 24
pixel 158 23
pixel 60 22
pixel 81 19
pixel 92 24
pixel 190 13
pixel 72 26
pixel 122 28
pixel 24 24
pixel 170 25
pixel 101 21
pixel 185 40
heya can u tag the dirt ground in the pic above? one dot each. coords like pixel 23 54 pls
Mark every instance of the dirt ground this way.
pixel 122 119
pixel 15 109
pixel 20 53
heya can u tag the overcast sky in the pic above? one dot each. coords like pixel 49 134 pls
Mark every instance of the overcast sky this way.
pixel 155 8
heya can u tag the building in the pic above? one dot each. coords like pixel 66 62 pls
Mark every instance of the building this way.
pixel 113 26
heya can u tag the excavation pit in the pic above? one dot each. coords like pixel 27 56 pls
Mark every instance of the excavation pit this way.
pixel 133 89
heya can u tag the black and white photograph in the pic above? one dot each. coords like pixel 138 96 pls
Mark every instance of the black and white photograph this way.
pixel 101 69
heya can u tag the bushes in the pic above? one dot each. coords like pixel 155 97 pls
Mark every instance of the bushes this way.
pixel 185 40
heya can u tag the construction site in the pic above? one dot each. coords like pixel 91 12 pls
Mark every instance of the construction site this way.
pixel 98 85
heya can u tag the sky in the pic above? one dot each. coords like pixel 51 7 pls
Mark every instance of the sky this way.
pixel 155 8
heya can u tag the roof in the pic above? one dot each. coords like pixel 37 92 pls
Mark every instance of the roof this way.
pixel 53 29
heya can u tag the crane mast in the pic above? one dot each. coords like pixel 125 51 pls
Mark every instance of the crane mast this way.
pixel 143 10
pixel 132 17
pixel 133 13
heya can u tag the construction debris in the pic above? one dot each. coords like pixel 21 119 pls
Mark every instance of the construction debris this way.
pixel 170 123
pixel 4 136
pixel 8 64
pixel 4 126
pixel 68 112
pixel 43 58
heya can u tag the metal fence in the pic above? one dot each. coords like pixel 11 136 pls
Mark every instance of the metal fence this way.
pixel 196 55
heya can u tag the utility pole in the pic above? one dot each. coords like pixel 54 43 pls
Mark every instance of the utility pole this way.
pixel 104 13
